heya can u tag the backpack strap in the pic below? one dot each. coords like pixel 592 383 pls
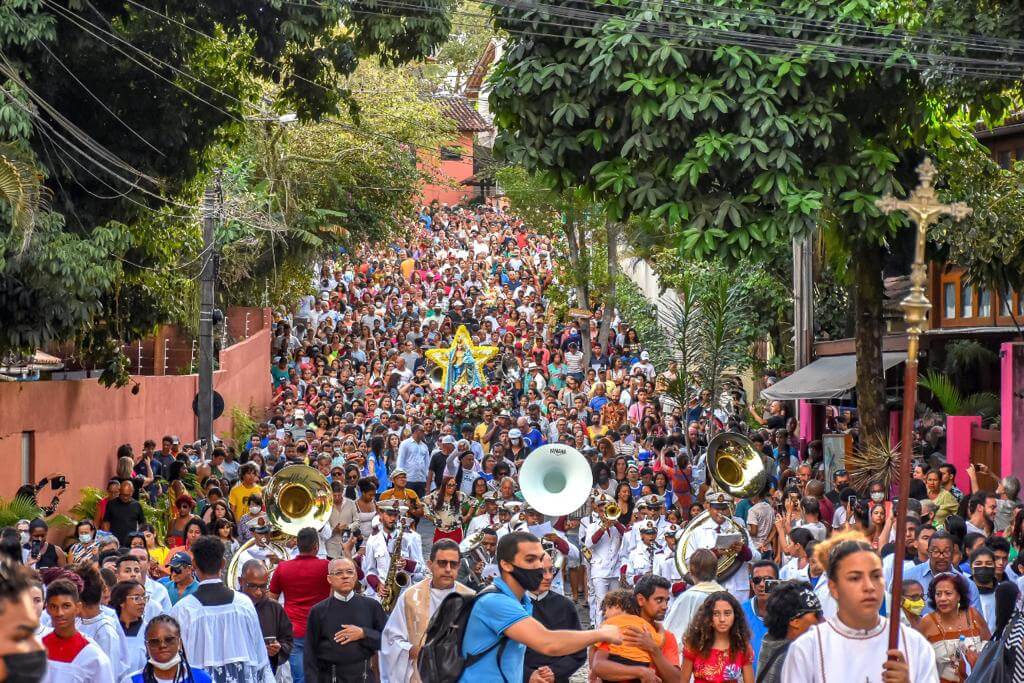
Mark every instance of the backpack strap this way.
pixel 500 643
pixel 771 660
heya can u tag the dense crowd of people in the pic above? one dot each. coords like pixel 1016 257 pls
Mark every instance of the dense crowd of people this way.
pixel 428 534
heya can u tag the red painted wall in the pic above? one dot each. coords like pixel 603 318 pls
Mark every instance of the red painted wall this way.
pixel 448 175
pixel 78 425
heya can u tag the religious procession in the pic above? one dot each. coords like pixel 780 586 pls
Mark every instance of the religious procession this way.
pixel 486 342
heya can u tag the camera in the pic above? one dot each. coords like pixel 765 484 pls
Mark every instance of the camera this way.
pixel 58 482
pixel 770 584
pixel 35 546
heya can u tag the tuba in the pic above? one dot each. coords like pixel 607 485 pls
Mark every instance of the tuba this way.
pixel 296 497
pixel 736 467
pixel 556 480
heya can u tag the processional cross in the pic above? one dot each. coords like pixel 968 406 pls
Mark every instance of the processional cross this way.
pixel 923 208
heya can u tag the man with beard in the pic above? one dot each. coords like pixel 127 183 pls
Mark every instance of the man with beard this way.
pixel 650 595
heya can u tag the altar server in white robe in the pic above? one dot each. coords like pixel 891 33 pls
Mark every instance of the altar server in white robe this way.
pixel 407 626
pixel 71 656
pixel 220 629
pixel 100 624
pixel 857 633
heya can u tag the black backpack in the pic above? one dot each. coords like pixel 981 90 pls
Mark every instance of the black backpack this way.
pixel 440 659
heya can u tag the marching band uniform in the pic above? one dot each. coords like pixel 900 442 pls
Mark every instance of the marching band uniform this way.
pixel 377 559
pixel 640 561
pixel 706 536
pixel 604 544
pixel 665 563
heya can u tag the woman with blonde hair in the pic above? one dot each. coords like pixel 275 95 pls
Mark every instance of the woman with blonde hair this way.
pixel 857 633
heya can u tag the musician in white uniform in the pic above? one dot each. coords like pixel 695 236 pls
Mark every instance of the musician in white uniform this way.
pixel 488 519
pixel 706 535
pixel 604 541
pixel 665 560
pixel 377 559
pixel 544 530
pixel 510 518
pixel 641 560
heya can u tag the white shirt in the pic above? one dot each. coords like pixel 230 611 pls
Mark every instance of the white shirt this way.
pixel 706 536
pixel 604 563
pixel 377 560
pixel 90 665
pixel 827 652
pixel 413 457
pixel 639 563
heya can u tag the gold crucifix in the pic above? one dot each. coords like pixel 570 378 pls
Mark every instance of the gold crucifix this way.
pixel 923 208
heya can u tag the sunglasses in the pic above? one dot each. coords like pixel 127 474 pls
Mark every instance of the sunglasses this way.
pixel 758 580
pixel 447 564
pixel 162 642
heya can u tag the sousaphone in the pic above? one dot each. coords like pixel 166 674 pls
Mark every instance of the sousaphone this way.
pixel 736 468
pixel 298 496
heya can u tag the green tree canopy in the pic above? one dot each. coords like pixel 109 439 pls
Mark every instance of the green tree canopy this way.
pixel 742 125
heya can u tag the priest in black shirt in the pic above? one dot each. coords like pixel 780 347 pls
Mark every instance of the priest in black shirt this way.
pixel 343 631
pixel 556 612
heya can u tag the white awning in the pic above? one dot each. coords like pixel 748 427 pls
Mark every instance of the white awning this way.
pixel 830 377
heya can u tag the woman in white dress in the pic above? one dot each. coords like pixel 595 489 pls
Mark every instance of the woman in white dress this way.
pixel 852 646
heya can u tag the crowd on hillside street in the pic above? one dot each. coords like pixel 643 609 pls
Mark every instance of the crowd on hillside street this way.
pixel 429 565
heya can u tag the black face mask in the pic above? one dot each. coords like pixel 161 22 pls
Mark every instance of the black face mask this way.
pixel 25 667
pixel 985 575
pixel 529 579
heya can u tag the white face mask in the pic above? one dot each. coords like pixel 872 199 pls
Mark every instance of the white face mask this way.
pixel 254 509
pixel 84 538
pixel 878 496
pixel 169 664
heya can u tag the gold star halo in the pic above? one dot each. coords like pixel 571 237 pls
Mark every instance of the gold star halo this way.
pixel 481 354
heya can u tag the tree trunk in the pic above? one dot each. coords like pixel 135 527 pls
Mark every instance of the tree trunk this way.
pixel 613 274
pixel 869 329
pixel 575 242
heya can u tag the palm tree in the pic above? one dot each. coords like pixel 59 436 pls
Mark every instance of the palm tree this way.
pixel 954 402
pixel 22 188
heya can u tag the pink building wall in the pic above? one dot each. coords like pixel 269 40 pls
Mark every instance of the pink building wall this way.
pixel 958 445
pixel 1011 423
pixel 448 175
pixel 76 426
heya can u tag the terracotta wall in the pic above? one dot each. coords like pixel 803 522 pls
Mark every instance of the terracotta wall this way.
pixel 76 426
pixel 449 174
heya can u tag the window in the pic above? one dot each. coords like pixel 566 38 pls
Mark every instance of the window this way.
pixel 451 154
pixel 1005 303
pixel 1003 159
pixel 984 303
pixel 949 300
pixel 966 301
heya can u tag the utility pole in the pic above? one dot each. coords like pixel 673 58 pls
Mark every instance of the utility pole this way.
pixel 803 302
pixel 207 278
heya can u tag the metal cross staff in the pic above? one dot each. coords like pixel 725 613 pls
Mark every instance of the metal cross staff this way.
pixel 923 208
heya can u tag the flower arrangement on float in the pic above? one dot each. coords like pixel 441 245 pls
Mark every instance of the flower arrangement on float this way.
pixel 464 403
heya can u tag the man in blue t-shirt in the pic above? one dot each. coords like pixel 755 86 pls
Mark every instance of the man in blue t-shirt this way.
pixel 507 615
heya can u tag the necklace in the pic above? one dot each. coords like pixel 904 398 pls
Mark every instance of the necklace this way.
pixel 952 650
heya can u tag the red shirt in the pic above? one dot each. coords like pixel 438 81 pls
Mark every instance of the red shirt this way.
pixel 303 582
pixel 64 649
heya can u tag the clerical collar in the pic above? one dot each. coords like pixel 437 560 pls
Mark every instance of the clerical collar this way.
pixel 856 633
pixel 537 597
pixel 343 598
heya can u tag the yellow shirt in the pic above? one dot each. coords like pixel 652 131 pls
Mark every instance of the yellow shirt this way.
pixel 946 505
pixel 478 435
pixel 239 498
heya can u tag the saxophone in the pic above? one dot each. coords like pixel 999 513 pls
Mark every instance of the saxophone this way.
pixel 396 580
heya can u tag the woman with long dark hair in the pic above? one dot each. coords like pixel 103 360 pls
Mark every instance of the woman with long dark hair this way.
pixel 717 647
pixel 165 655
pixel 445 504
